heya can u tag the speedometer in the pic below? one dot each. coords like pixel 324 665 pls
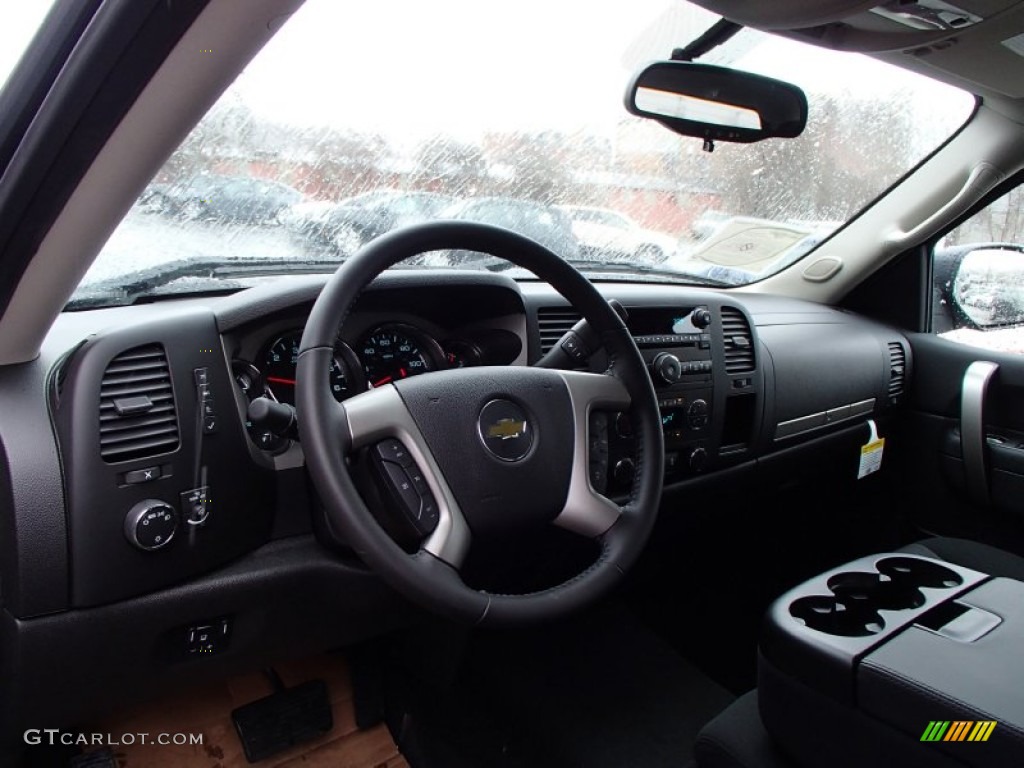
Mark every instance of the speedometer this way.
pixel 282 359
pixel 394 352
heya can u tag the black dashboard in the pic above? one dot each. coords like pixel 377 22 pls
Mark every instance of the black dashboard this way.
pixel 167 477
pixel 140 490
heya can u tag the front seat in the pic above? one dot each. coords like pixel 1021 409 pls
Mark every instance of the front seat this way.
pixel 736 738
pixel 970 554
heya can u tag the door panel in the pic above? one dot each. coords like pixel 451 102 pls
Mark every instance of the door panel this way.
pixel 963 461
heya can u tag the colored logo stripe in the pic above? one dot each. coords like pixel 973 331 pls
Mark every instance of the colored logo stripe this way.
pixel 958 730
pixel 982 730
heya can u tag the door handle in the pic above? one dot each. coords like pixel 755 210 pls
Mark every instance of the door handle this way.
pixel 972 427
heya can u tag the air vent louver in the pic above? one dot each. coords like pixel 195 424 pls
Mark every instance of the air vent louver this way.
pixel 897 370
pixel 137 415
pixel 553 323
pixel 739 341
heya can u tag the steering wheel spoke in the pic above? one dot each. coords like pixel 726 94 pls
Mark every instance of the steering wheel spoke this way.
pixel 380 414
pixel 586 511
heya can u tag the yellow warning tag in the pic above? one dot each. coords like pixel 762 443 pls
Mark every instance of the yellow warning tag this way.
pixel 871 453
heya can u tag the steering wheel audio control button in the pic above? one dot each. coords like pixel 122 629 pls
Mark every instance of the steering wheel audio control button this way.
pixel 418 481
pixel 393 450
pixel 400 481
pixel 407 487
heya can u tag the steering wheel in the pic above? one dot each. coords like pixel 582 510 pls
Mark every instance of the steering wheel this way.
pixel 498 448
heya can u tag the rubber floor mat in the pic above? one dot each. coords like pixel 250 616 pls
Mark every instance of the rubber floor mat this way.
pixel 206 711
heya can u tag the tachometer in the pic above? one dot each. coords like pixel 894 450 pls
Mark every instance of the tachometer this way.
pixel 282 358
pixel 394 352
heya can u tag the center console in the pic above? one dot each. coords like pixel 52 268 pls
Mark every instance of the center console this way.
pixel 896 660
pixel 701 360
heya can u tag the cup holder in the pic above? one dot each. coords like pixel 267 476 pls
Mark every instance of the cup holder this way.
pixel 835 616
pixel 875 591
pixel 919 573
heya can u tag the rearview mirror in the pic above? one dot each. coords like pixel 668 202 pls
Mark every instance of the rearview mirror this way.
pixel 716 103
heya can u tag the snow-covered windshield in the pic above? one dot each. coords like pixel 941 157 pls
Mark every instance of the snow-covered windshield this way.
pixel 359 118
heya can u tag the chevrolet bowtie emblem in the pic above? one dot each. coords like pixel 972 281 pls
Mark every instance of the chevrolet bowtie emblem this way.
pixel 507 429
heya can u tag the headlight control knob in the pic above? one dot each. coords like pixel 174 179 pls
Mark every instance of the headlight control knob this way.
pixel 667 367
pixel 151 524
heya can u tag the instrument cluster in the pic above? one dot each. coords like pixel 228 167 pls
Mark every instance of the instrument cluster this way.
pixel 385 354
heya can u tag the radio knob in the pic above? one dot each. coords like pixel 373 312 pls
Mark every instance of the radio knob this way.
pixel 700 317
pixel 698 459
pixel 623 472
pixel 667 367
pixel 151 524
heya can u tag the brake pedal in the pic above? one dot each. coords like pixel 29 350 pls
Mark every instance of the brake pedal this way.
pixel 283 719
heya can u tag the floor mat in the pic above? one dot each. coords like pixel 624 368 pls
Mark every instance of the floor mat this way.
pixel 599 691
pixel 206 710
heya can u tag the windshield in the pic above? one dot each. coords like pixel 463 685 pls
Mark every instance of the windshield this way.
pixel 359 118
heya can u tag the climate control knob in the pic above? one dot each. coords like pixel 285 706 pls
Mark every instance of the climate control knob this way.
pixel 667 367
pixel 700 317
pixel 151 524
pixel 698 414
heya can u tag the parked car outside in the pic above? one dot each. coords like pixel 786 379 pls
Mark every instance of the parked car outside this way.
pixel 221 198
pixel 546 224
pixel 347 225
pixel 605 232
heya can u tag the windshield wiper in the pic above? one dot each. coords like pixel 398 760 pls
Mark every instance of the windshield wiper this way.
pixel 194 276
pixel 646 270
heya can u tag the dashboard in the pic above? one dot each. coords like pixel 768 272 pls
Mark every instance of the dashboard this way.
pixel 185 478
pixel 147 503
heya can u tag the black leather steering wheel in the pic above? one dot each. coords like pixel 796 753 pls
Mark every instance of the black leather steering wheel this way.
pixel 499 447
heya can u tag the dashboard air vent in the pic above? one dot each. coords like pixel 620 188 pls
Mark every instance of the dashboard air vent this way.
pixel 553 323
pixel 137 416
pixel 897 370
pixel 739 341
